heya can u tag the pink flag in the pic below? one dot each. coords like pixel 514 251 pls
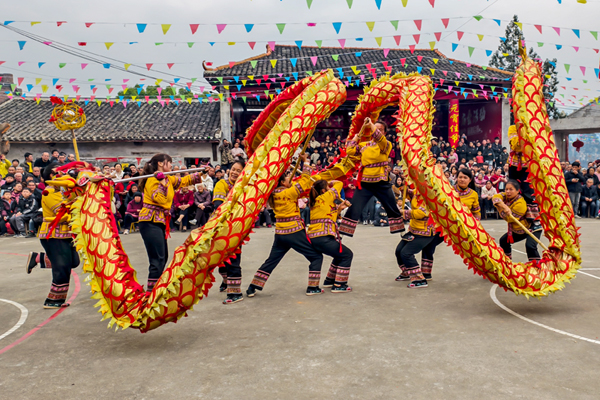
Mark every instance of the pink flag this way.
pixel 272 46
pixel 397 39
pixel 557 30
pixel 582 70
pixel 220 27
pixel 314 60
pixel 538 27
pixel 342 42
pixel 386 52
pixel 83 66
pixel 412 48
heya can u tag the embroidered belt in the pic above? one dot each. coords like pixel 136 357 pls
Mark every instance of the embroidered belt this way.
pixel 295 218
pixel 362 167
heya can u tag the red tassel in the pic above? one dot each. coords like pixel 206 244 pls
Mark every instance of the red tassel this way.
pixel 510 238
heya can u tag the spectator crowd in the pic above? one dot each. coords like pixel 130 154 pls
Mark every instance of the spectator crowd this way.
pixel 22 186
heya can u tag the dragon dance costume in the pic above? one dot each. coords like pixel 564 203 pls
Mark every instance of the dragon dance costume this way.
pixel 373 180
pixel 231 271
pixel 421 234
pixel 290 233
pixel 518 207
pixel 324 236
pixel 56 238
pixel 155 217
pixel 470 199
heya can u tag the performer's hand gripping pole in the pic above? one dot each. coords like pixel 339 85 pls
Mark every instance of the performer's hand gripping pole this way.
pixel 527 231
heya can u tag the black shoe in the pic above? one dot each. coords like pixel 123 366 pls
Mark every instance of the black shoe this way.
pixel 327 283
pixel 402 277
pixel 312 290
pixel 341 289
pixel 223 286
pixel 251 292
pixel 30 234
pixel 233 298
pixel 51 304
pixel 31 263
pixel 536 226
pixel 427 276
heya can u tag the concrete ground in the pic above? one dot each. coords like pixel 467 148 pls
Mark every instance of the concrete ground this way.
pixel 449 341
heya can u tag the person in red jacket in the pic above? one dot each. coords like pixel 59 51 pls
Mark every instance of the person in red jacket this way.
pixel 182 202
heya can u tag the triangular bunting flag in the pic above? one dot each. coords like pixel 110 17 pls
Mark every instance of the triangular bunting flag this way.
pixel 165 28
pixel 220 27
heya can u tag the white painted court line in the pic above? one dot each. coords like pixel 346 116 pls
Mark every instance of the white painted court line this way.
pixel 21 320
pixel 585 273
pixel 508 310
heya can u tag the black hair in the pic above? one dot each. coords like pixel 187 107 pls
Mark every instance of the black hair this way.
pixel 241 162
pixel 576 164
pixel 152 166
pixel 316 190
pixel 385 126
pixel 467 172
pixel 15 160
pixel 28 154
pixel 47 174
pixel 515 184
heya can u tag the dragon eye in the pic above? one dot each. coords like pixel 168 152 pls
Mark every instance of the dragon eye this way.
pixel 72 173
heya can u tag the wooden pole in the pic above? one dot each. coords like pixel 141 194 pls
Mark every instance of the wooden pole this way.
pixel 529 232
pixel 137 178
pixel 75 145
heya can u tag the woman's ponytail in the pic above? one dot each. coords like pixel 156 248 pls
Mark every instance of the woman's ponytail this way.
pixel 315 191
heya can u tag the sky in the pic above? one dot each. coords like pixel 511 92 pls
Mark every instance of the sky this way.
pixel 115 22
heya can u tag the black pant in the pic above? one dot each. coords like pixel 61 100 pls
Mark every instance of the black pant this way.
pixel 153 234
pixel 487 205
pixel 231 271
pixel 202 216
pixel 178 213
pixel 428 252
pixel 129 219
pixel 63 257
pixel 405 254
pixel 383 192
pixel 342 257
pixel 530 244
pixel 281 245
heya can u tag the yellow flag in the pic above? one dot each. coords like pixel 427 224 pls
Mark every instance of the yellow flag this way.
pixel 251 77
pixel 432 71
pixel 221 96
pixel 189 100
pixel 404 3
pixel 231 43
pixel 432 45
pixel 44 88
pixel 356 71
pixel 99 102
pixel 125 91
pixel 108 44
pixel 378 40
pixel 273 63
pixel 35 23
pixel 371 25
pixel 165 28
pixel 133 98
pixel 226 87
pixel 435 60
pixel 127 66
pixel 480 37
pixel 38 80
pixel 244 82
pixel 519 24
pixel 37 100
pixel 271 96
pixel 158 81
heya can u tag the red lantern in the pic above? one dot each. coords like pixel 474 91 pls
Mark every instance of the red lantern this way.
pixel 578 144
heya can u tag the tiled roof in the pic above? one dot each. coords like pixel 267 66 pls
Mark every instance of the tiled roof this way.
pixel 589 110
pixel 148 122
pixel 347 57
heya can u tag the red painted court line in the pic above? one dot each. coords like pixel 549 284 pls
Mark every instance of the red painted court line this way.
pixel 15 254
pixel 56 314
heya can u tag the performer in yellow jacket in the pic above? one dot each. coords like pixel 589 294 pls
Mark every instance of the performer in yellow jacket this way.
pixel 231 271
pixel 290 233
pixel 324 236
pixel 55 236
pixel 511 203
pixel 465 187
pixel 155 216
pixel 421 233
pixel 373 178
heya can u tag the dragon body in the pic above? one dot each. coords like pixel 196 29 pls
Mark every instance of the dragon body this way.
pixel 271 141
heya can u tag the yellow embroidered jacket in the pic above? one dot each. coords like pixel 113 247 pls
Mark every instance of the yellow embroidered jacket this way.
pixel 470 199
pixel 221 191
pixel 285 205
pixel 323 215
pixel 518 208
pixel 419 217
pixel 158 198
pixel 51 203
pixel 374 156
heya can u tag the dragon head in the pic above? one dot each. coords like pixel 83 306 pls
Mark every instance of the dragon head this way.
pixel 76 174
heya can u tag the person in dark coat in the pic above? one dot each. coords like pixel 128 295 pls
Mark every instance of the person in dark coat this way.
pixel 589 199
pixel 574 180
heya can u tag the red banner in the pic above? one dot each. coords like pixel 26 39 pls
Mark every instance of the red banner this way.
pixel 453 117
